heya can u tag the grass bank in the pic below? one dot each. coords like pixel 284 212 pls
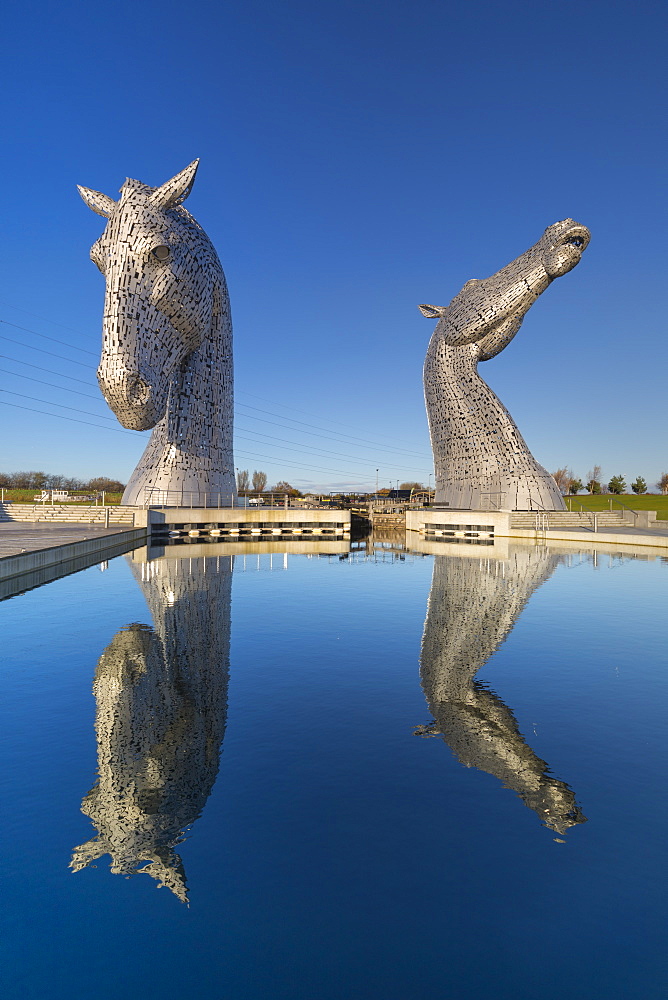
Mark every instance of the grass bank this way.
pixel 602 501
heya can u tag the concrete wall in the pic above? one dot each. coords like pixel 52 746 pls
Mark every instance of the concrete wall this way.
pixel 243 521
pixel 61 556
pixel 464 523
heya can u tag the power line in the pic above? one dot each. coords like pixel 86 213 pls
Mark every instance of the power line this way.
pixel 273 402
pixel 311 450
pixel 299 465
pixel 119 430
pixel 293 420
pixel 284 441
pixel 31 378
pixel 74 347
pixel 45 319
pixel 239 436
pixel 40 369
pixel 317 431
pixel 48 402
pixel 41 350
pixel 60 416
pixel 26 329
pixel 315 434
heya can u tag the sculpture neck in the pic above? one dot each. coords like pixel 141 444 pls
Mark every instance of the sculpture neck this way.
pixel 190 450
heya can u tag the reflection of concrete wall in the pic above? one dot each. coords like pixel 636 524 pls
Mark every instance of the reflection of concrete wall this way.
pixel 189 548
pixel 161 698
pixel 473 605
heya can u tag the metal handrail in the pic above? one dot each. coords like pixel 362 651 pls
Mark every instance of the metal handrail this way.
pixel 611 500
pixel 154 496
pixel 619 502
pixel 593 515
pixel 496 503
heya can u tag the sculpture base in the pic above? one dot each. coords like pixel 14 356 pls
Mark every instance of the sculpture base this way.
pixel 536 492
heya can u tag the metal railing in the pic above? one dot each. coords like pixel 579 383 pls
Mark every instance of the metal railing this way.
pixel 493 500
pixel 542 521
pixel 156 497
pixel 611 501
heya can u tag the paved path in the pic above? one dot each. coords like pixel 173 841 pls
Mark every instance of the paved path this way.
pixel 639 538
pixel 626 530
pixel 28 536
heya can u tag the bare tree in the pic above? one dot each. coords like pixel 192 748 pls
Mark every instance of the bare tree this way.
pixel 562 478
pixel 663 483
pixel 593 484
pixel 283 487
pixel 259 481
pixel 103 483
pixel 28 480
pixel 412 486
pixel 243 480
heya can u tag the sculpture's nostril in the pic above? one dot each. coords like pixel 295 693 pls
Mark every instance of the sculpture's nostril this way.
pixel 138 391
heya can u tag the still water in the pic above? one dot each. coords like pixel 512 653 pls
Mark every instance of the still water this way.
pixel 375 774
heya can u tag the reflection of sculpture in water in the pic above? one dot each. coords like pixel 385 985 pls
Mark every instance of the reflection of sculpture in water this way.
pixel 161 711
pixel 472 607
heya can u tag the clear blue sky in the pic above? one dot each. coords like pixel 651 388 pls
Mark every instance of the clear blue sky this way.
pixel 357 158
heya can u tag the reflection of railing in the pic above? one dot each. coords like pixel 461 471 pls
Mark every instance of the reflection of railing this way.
pixel 156 497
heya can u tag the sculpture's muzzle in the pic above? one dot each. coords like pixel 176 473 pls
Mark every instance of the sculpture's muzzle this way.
pixel 137 403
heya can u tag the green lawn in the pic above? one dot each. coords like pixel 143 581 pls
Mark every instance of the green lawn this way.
pixel 28 496
pixel 647 501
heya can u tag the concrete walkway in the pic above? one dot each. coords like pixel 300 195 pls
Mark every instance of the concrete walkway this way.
pixel 27 536
pixel 622 536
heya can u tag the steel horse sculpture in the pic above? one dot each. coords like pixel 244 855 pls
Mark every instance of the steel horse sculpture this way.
pixel 481 460
pixel 167 340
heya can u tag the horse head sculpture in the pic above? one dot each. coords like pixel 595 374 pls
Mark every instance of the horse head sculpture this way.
pixel 167 337
pixel 478 451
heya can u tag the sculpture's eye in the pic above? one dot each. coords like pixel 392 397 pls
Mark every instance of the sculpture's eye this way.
pixel 576 241
pixel 161 253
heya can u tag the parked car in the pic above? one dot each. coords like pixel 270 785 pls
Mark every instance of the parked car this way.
pixel 255 502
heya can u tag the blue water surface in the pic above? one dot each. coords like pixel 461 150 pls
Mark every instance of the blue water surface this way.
pixel 402 777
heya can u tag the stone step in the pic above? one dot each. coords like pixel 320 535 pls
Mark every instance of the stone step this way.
pixel 564 519
pixel 65 513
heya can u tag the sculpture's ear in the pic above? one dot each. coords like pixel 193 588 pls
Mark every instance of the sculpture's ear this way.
pixel 100 203
pixel 433 312
pixel 176 191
